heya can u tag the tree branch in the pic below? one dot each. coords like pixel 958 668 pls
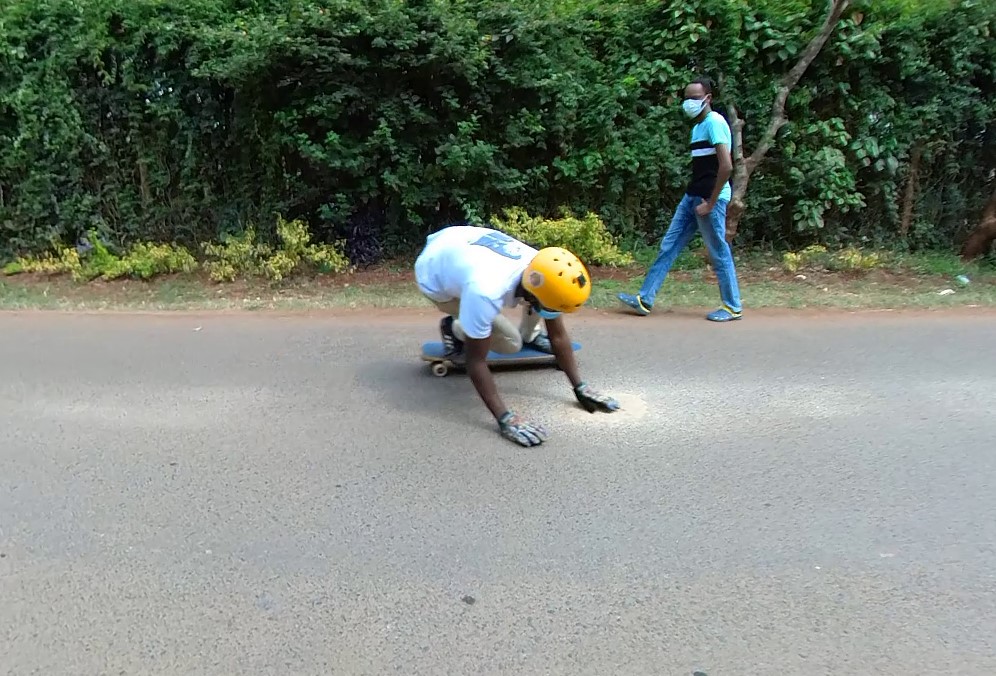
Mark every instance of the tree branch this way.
pixel 791 79
pixel 744 167
pixel 909 196
pixel 737 132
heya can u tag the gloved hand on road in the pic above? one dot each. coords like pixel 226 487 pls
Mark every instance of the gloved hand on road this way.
pixel 521 431
pixel 595 401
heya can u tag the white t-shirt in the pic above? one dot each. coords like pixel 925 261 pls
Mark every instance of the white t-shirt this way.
pixel 480 266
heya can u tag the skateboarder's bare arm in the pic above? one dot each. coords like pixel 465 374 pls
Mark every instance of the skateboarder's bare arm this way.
pixel 562 349
pixel 560 341
pixel 477 368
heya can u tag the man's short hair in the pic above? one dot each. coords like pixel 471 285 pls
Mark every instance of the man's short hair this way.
pixel 706 82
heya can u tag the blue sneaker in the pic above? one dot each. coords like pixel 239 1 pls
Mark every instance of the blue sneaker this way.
pixel 636 303
pixel 723 314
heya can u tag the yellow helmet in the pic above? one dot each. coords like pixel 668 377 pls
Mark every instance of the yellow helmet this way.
pixel 558 279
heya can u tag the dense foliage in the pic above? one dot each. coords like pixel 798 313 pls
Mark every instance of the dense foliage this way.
pixel 377 121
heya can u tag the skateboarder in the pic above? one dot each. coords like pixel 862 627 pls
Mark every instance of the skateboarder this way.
pixel 471 273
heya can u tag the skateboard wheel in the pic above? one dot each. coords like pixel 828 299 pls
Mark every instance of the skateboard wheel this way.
pixel 439 369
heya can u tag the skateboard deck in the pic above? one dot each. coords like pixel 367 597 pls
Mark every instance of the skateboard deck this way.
pixel 432 352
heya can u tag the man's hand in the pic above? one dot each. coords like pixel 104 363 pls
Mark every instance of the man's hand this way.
pixel 595 401
pixel 561 342
pixel 722 176
pixel 522 432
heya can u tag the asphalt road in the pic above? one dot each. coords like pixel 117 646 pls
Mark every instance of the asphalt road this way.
pixel 293 495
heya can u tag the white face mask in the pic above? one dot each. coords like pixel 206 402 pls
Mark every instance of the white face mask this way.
pixel 693 107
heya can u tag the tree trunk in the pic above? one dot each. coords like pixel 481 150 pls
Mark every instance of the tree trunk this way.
pixel 744 167
pixel 741 176
pixel 143 183
pixel 982 237
pixel 909 197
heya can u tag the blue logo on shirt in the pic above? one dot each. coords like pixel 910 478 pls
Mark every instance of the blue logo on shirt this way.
pixel 501 244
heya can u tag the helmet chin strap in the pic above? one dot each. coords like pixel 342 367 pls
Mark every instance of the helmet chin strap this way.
pixel 542 311
pixel 535 305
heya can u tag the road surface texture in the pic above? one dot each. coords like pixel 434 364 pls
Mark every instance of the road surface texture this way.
pixel 299 495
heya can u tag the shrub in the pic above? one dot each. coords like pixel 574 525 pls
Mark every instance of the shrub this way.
pixel 145 261
pixel 244 256
pixel 235 256
pixel 817 257
pixel 182 121
pixel 587 237
pixel 851 259
pixel 48 264
pixel 142 261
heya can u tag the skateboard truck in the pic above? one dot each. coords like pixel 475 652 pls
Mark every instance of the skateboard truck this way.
pixel 435 353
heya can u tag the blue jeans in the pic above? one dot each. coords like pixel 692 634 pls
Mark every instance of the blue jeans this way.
pixel 679 234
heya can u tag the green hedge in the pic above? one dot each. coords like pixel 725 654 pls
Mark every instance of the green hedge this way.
pixel 376 122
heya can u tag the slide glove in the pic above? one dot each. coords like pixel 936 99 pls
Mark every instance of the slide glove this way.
pixel 521 431
pixel 594 401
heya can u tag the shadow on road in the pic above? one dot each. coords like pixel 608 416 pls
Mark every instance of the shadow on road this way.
pixel 409 385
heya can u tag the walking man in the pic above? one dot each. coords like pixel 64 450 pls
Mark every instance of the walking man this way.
pixel 702 209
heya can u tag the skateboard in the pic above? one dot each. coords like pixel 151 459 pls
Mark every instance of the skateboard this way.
pixel 432 352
